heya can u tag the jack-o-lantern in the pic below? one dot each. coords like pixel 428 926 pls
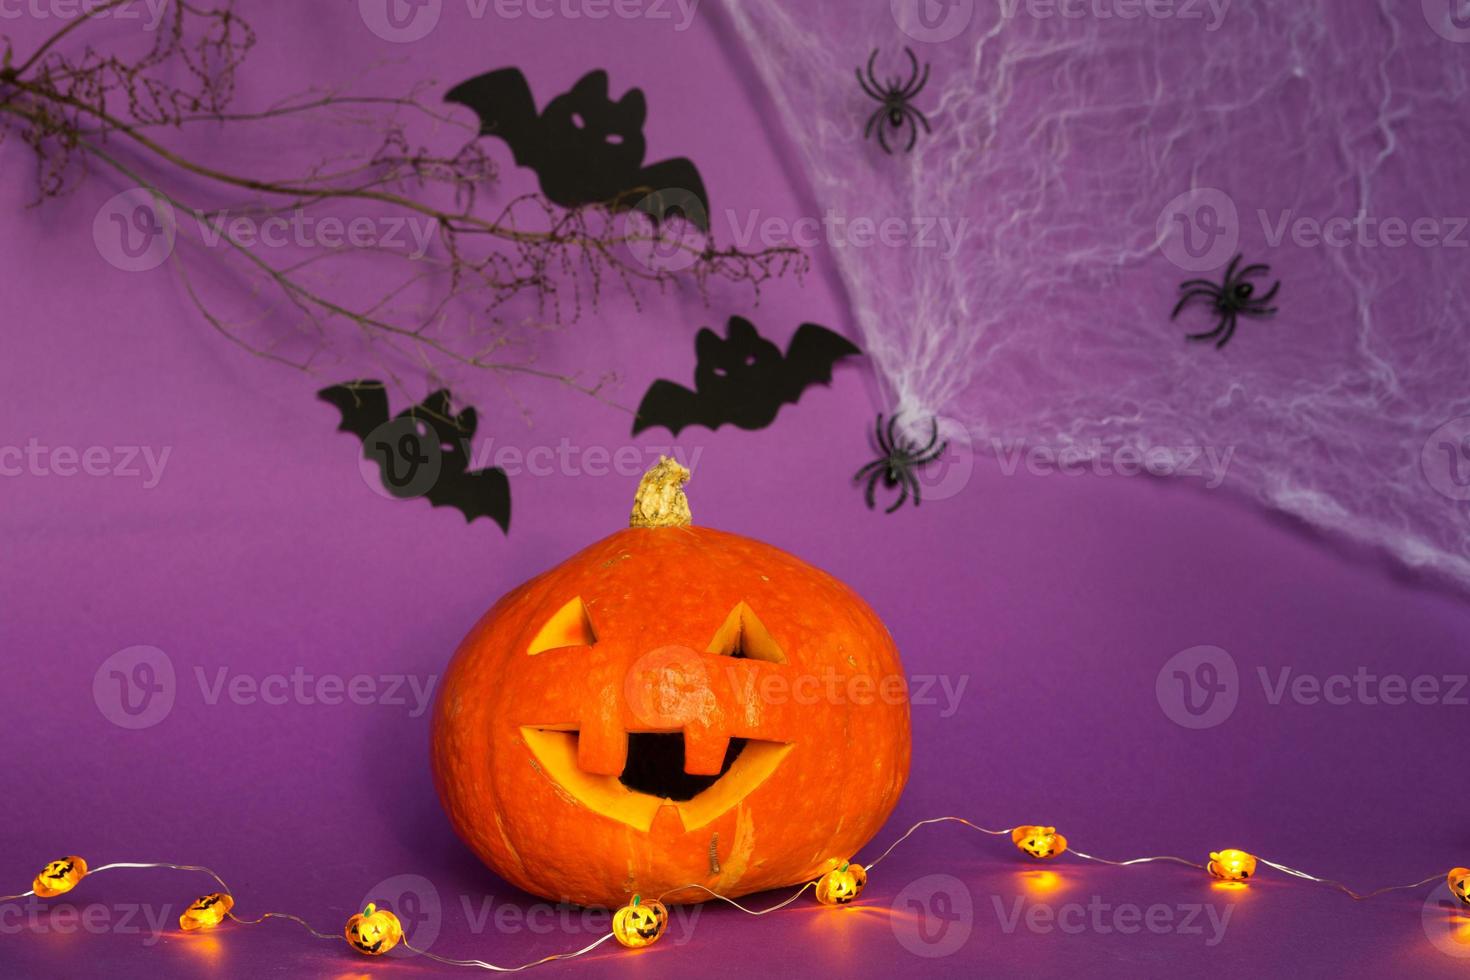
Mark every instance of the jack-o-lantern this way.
pixel 1039 842
pixel 373 931
pixel 640 923
pixel 207 912
pixel 843 884
pixel 672 706
pixel 59 877
pixel 1231 865
pixel 1459 882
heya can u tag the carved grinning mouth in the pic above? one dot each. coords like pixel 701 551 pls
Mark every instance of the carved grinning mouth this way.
pixel 654 776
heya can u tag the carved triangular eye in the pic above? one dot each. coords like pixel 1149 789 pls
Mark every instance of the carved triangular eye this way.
pixel 569 626
pixel 743 635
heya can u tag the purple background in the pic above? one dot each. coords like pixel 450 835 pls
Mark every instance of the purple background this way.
pixel 1056 600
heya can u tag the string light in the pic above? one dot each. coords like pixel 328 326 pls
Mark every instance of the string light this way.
pixel 842 884
pixel 1039 842
pixel 374 931
pixel 640 923
pixel 1231 865
pixel 207 911
pixel 59 877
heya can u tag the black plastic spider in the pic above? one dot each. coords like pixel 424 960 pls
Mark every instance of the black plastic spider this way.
pixel 895 110
pixel 1231 299
pixel 899 461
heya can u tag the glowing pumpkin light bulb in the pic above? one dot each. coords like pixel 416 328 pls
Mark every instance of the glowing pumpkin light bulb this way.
pixel 1039 842
pixel 1231 865
pixel 1459 882
pixel 373 931
pixel 59 877
pixel 640 923
pixel 842 884
pixel 207 912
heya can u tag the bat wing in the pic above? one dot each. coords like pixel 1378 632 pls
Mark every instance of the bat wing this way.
pixel 503 101
pixel 672 187
pixel 810 357
pixel 670 405
pixel 363 404
pixel 478 493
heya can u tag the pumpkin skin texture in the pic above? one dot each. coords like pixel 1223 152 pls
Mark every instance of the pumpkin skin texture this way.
pixel 634 635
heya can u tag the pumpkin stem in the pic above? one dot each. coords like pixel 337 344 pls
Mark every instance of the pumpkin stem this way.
pixel 661 501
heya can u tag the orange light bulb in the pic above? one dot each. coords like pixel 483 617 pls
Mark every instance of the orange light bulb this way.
pixel 1039 842
pixel 373 931
pixel 207 912
pixel 59 877
pixel 843 884
pixel 1231 865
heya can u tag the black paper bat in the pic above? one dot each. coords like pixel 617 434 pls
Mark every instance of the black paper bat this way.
pixel 585 148
pixel 423 450
pixel 743 380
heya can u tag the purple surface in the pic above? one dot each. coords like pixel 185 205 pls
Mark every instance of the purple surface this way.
pixel 1056 602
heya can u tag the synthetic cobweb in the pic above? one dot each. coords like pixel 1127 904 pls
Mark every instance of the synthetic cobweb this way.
pixel 1097 160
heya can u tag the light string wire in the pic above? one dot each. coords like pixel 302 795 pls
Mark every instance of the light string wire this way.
pixel 573 954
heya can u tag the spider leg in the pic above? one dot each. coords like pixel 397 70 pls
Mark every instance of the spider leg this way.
pixel 872 78
pixel 883 140
pixel 914 483
pixel 1199 282
pixel 1253 311
pixel 1251 270
pixel 871 90
pixel 931 456
pixel 924 80
pixel 1212 293
pixel 922 118
pixel 913 68
pixel 1224 319
pixel 1230 272
pixel 866 469
pixel 1268 297
pixel 933 436
pixel 883 444
pixel 872 485
pixel 892 441
pixel 913 131
pixel 868 129
pixel 903 492
pixel 1231 321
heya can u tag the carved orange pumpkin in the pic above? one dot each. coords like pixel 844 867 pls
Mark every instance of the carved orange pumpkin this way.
pixel 672 706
